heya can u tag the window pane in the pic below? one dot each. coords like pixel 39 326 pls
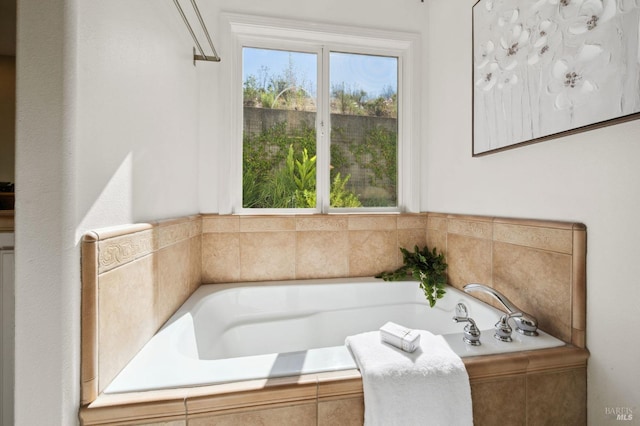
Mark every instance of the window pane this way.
pixel 279 137
pixel 364 130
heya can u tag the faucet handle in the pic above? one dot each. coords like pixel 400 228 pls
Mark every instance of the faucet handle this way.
pixel 471 331
pixel 503 329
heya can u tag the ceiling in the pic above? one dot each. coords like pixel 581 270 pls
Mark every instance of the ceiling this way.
pixel 8 27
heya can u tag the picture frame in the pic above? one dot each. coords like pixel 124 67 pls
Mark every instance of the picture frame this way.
pixel 548 68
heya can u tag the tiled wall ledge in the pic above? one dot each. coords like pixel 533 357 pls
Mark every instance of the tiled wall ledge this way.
pixel 539 265
pixel 529 384
pixel 262 248
pixel 133 278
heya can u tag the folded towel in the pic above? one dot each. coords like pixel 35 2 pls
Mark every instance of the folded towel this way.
pixel 401 337
pixel 427 387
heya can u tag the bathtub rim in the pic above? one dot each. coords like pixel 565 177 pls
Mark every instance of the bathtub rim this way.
pixel 179 403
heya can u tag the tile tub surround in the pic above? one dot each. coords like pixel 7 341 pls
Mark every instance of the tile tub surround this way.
pixel 263 248
pixel 134 278
pixel 540 265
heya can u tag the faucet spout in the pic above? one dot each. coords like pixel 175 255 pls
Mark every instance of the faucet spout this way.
pixel 525 323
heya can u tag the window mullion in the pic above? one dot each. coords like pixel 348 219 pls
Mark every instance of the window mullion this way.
pixel 323 133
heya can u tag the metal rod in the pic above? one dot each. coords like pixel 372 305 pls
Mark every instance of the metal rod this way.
pixel 206 33
pixel 202 56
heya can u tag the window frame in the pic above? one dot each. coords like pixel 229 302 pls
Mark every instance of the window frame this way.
pixel 322 39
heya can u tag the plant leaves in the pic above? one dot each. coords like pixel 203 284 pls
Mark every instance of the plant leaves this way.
pixel 424 265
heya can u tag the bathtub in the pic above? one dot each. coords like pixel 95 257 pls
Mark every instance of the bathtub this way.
pixel 234 332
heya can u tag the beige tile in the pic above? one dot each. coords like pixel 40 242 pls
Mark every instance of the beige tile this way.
pixel 560 240
pixel 372 252
pixel 173 279
pixel 176 232
pixel 119 230
pixel 267 223
pixel 412 221
pixel 579 287
pixel 561 358
pixel 468 260
pixel 374 223
pixel 225 224
pixel 437 222
pixel 195 262
pixel 409 238
pixel 322 223
pixel 344 383
pixel 499 402
pixel 298 415
pixel 437 239
pixel 475 227
pixel 343 412
pixel 133 410
pixel 89 329
pixel 538 282
pixel 120 250
pixel 322 254
pixel 249 394
pixel 165 422
pixel 267 256
pixel 557 398
pixel 220 257
pixel 126 315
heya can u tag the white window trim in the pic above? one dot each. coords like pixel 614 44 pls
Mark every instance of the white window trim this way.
pixel 256 31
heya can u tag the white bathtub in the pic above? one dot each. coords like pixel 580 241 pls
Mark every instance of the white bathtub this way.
pixel 233 332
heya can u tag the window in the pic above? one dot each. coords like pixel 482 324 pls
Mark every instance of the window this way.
pixel 323 121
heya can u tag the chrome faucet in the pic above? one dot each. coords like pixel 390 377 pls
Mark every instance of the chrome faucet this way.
pixel 525 323
pixel 471 332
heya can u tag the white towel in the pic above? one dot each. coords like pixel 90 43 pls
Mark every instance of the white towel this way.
pixel 427 387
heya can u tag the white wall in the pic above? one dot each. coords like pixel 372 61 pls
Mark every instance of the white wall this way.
pixel 137 113
pixel 106 134
pixel 590 177
pixel 46 276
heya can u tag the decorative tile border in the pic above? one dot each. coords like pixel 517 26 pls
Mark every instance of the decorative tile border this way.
pixel 174 231
pixel 545 238
pixel 119 251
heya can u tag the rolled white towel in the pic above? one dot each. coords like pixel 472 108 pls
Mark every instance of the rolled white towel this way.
pixel 401 337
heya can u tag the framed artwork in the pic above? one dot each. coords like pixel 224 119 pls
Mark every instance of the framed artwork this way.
pixel 547 68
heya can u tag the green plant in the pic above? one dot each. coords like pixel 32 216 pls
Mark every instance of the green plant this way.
pixel 340 196
pixel 427 267
pixel 292 185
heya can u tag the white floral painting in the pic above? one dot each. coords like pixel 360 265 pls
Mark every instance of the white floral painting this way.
pixel 542 68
